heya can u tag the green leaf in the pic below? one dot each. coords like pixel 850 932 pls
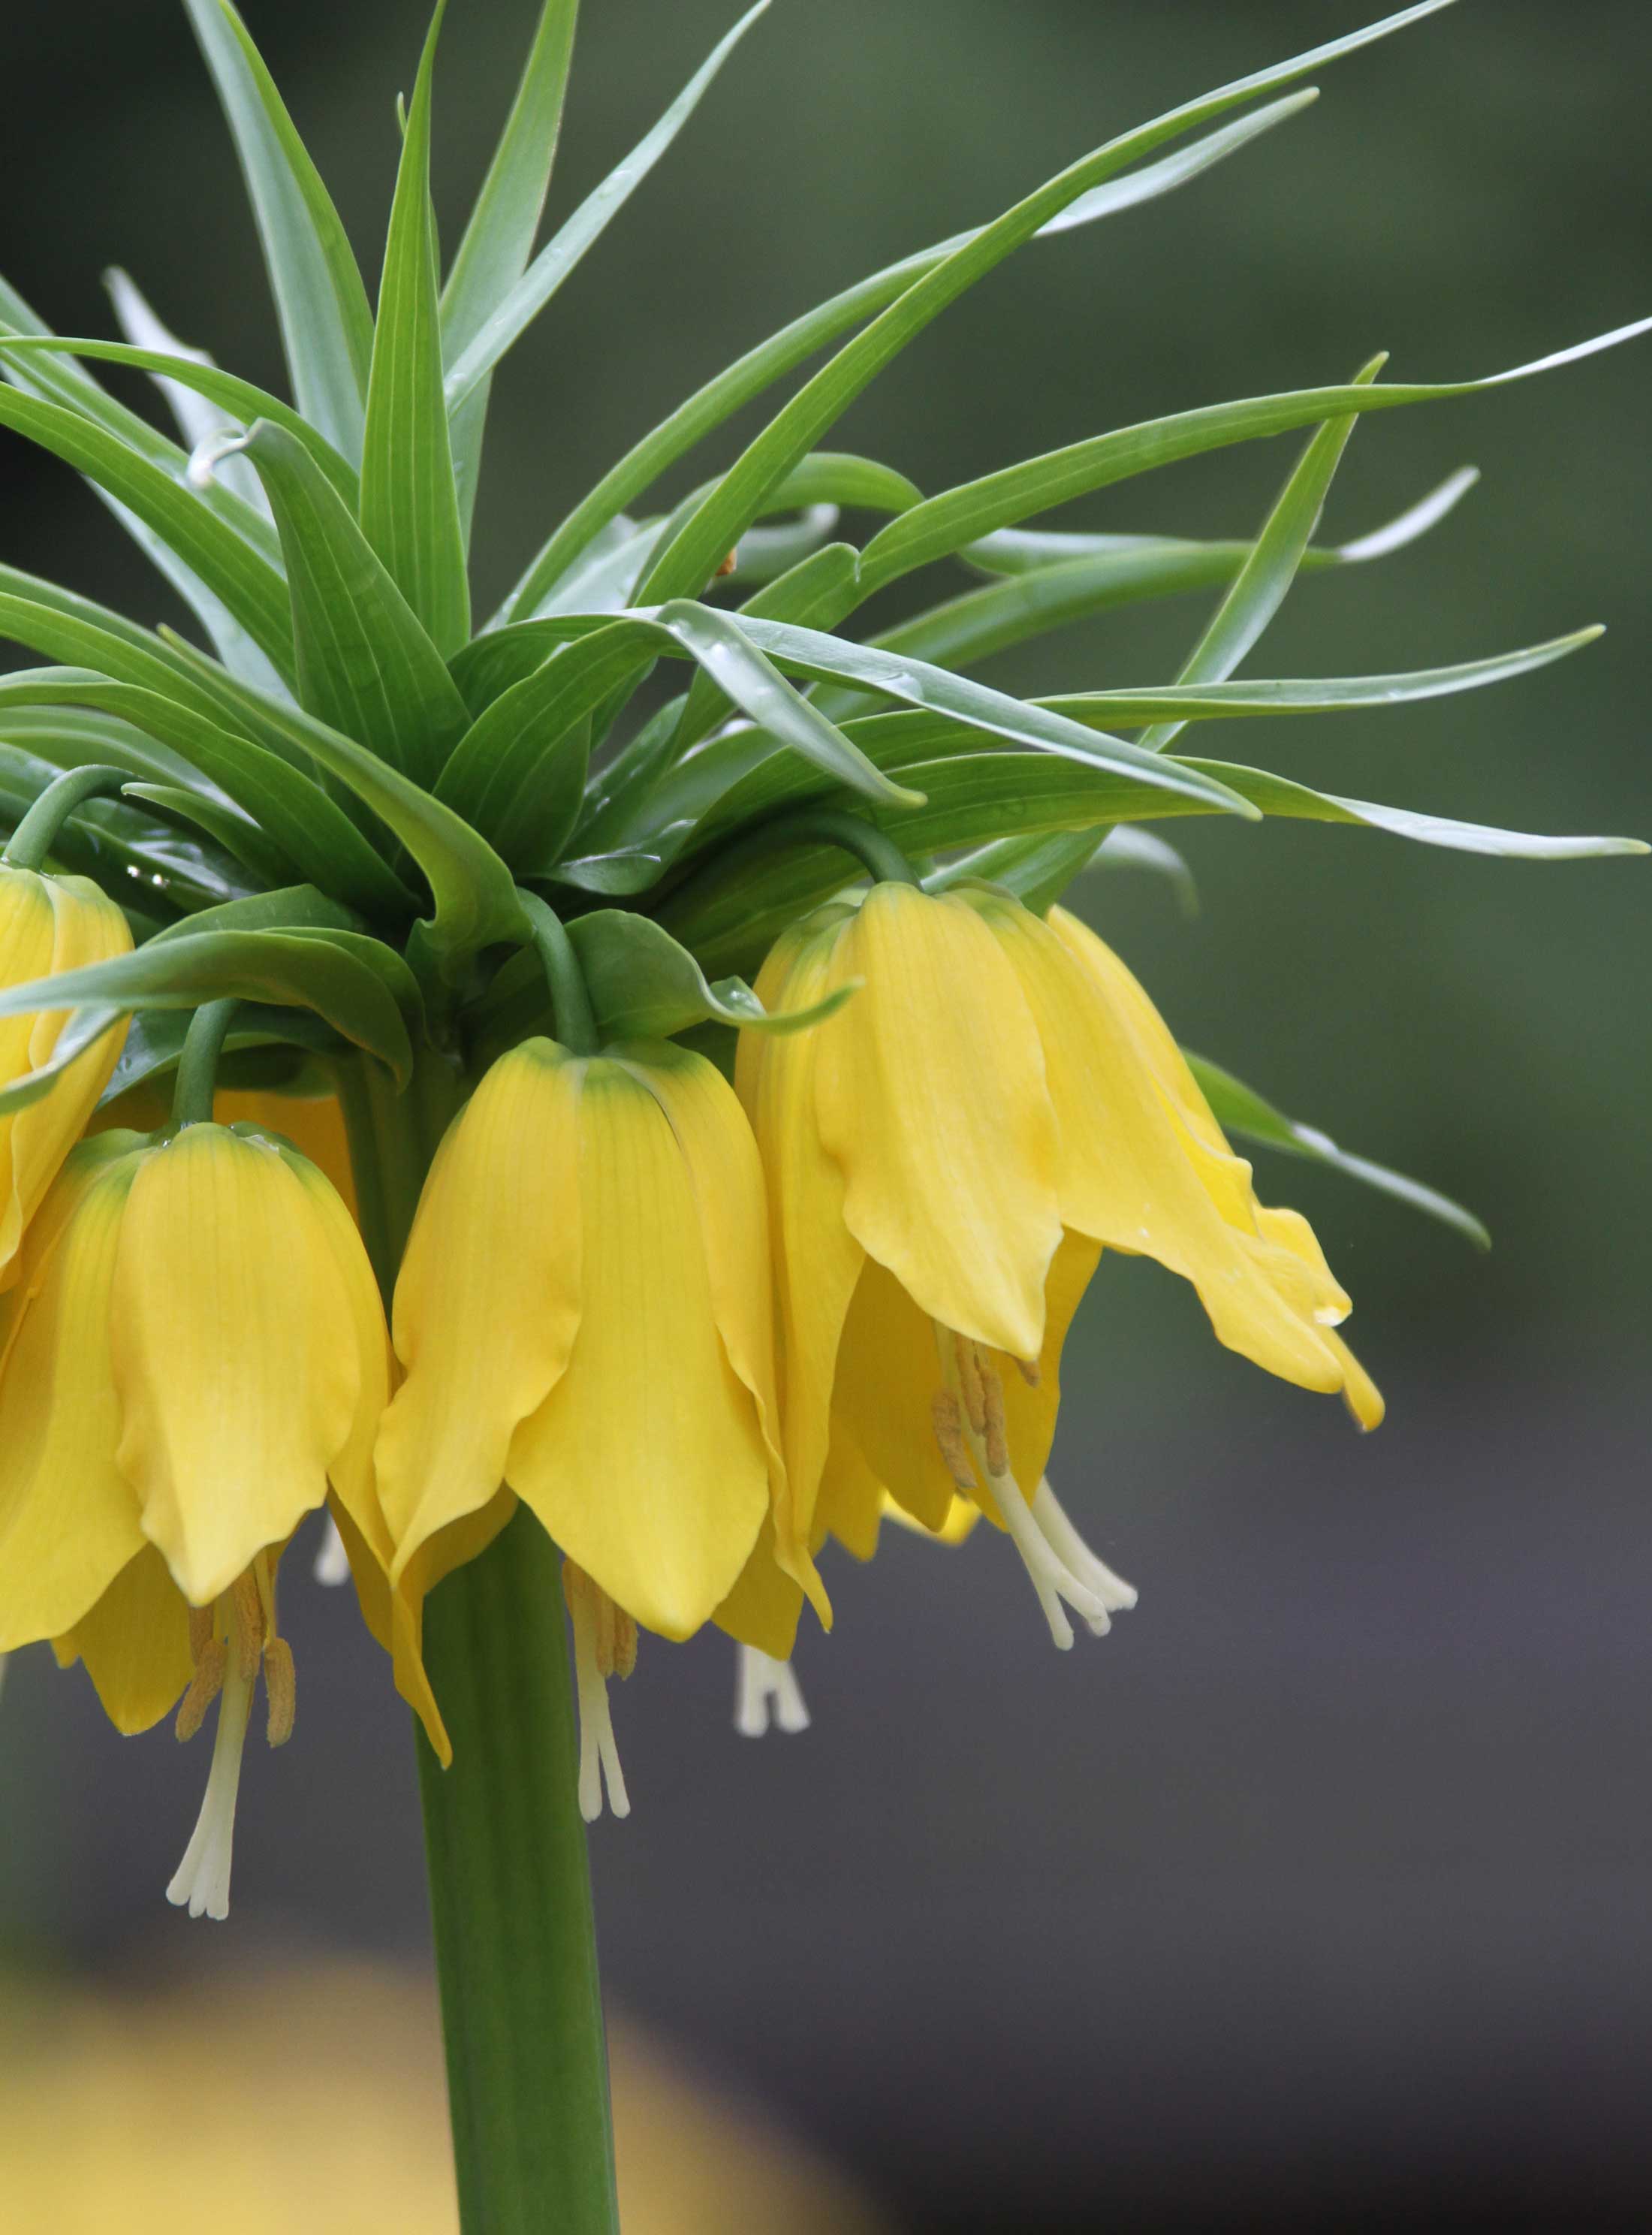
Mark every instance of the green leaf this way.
pixel 285 969
pixel 728 921
pixel 139 861
pixel 751 375
pixel 237 833
pixel 1260 588
pixel 326 325
pixel 318 838
pixel 944 524
pixel 1238 1109
pixel 76 737
pixel 1046 579
pixel 155 1041
pixel 248 586
pixel 410 508
pixel 810 652
pixel 688 564
pixel 492 783
pixel 518 773
pixel 365 664
pixel 499 238
pixel 642 984
pixel 813 593
pixel 474 891
pixel 524 302
pixel 1038 870
pixel 239 400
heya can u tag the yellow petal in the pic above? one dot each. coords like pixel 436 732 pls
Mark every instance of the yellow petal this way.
pixel 48 925
pixel 647 1462
pixel 931 1098
pixel 959 1523
pixel 135 1644
pixel 487 1299
pixel 1130 1178
pixel 852 1500
pixel 235 1353
pixel 69 1520
pixel 313 1122
pixel 351 1469
pixel 763 1607
pixel 888 1378
pixel 818 1259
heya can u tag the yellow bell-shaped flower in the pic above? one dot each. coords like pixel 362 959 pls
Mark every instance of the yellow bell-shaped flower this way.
pixel 194 1353
pixel 48 925
pixel 583 1314
pixel 947 1158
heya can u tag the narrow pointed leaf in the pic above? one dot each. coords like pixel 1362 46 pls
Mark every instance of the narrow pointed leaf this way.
pixel 273 966
pixel 499 238
pixel 758 369
pixel 198 419
pixel 314 833
pixel 524 302
pixel 1239 1109
pixel 687 565
pixel 1267 573
pixel 409 510
pixel 144 864
pixel 249 586
pixel 236 401
pixel 944 524
pixel 235 832
pixel 326 325
pixel 364 665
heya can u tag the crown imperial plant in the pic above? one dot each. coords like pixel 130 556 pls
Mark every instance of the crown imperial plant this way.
pixel 592 1325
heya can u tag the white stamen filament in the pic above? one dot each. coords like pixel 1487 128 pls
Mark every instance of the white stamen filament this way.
pixel 332 1561
pixel 202 1877
pixel 1115 1594
pixel 598 1753
pixel 1059 1566
pixel 763 1685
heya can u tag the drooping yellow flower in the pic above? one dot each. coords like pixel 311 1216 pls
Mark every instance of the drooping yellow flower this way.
pixel 584 1315
pixel 193 1353
pixel 48 925
pixel 947 1158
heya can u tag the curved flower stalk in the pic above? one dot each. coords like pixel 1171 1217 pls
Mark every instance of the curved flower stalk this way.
pixel 345 808
pixel 192 1358
pixel 946 1161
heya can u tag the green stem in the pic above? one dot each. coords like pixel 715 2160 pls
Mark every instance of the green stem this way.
pixel 814 826
pixel 191 1094
pixel 510 1887
pixel 35 837
pixel 576 1027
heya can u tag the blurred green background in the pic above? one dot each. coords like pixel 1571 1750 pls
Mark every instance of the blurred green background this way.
pixel 1322 1884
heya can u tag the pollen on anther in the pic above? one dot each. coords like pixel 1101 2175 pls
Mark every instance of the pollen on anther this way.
pixel 948 1424
pixel 280 1690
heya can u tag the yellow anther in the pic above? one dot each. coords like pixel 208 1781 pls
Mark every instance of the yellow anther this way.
pixel 1030 1371
pixel 614 1634
pixel 280 1690
pixel 949 1435
pixel 246 1623
pixel 200 1632
pixel 997 1441
pixel 969 1379
pixel 624 1643
pixel 210 1663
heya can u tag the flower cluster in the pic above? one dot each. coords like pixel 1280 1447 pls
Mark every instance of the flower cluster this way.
pixel 695 1328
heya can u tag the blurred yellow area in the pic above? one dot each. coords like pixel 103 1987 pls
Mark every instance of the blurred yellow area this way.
pixel 310 2096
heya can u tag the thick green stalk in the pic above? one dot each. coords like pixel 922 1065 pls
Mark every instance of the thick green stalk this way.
pixel 510 1886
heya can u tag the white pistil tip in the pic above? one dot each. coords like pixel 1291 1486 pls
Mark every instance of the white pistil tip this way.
pixel 202 1878
pixel 209 454
pixel 332 1561
pixel 767 1689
